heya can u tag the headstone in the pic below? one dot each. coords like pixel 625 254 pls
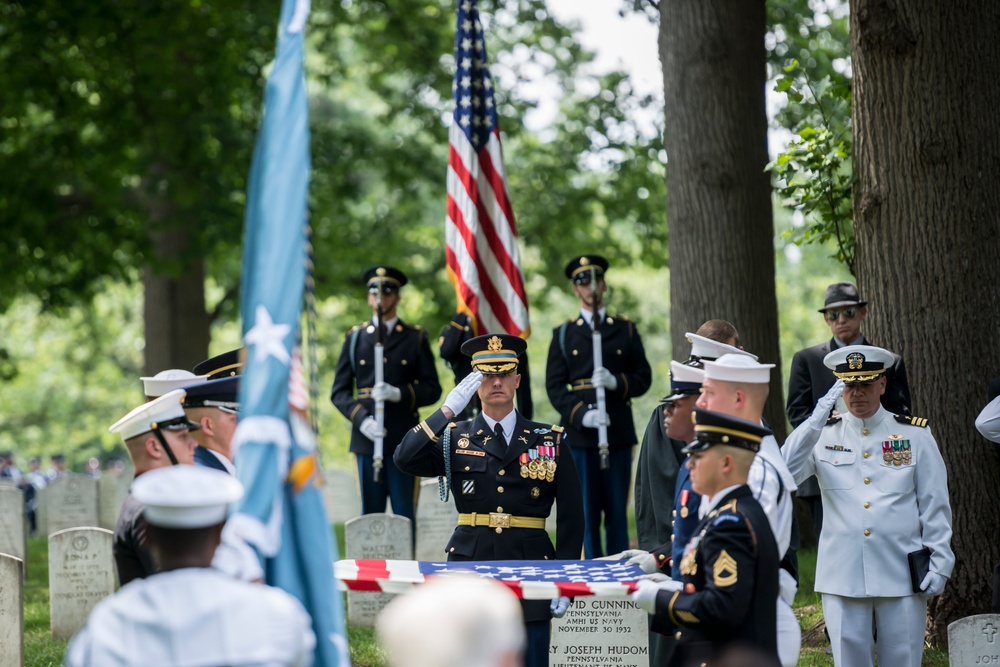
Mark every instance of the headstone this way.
pixel 11 611
pixel 600 631
pixel 7 483
pixel 974 641
pixel 71 502
pixel 81 574
pixel 41 512
pixel 340 494
pixel 379 536
pixel 436 521
pixel 112 488
pixel 12 522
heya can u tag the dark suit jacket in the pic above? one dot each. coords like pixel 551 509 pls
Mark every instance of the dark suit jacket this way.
pixel 205 458
pixel 486 476
pixel 132 555
pixel 660 461
pixel 409 365
pixel 571 365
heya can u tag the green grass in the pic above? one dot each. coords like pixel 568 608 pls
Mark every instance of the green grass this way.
pixel 42 651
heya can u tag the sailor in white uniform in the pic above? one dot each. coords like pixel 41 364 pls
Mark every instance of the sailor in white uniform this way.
pixel 885 496
pixel 189 614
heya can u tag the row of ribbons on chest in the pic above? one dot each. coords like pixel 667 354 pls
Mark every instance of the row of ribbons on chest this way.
pixel 896 452
pixel 540 462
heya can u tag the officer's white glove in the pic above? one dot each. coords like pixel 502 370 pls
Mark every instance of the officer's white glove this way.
pixel 655 577
pixel 817 420
pixel 933 584
pixel 369 429
pixel 558 607
pixel 591 419
pixel 386 392
pixel 644 596
pixel 460 396
pixel 602 377
pixel 645 560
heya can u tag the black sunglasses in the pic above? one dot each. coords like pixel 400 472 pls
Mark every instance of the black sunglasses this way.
pixel 834 315
pixel 386 289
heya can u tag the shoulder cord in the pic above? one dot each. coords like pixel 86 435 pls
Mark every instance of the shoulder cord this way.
pixel 444 482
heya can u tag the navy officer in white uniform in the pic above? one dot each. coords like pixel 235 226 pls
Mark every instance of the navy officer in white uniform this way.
pixel 189 614
pixel 885 495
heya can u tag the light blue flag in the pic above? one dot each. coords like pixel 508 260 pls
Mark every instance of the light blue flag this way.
pixel 282 514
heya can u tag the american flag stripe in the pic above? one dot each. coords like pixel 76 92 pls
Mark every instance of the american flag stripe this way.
pixel 480 230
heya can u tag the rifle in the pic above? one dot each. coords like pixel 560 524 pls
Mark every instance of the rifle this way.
pixel 602 406
pixel 379 378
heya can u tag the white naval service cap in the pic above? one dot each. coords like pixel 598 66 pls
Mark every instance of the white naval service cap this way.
pixel 165 413
pixel 168 380
pixel 858 363
pixel 186 496
pixel 738 368
pixel 706 348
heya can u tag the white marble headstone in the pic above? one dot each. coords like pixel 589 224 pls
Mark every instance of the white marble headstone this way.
pixel 11 612
pixel 81 574
pixel 12 522
pixel 374 536
pixel 112 488
pixel 436 521
pixel 974 641
pixel 340 495
pixel 70 502
pixel 600 631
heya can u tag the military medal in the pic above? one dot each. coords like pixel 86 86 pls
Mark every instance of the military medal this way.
pixel 524 465
pixel 907 455
pixel 897 455
pixel 533 465
pixel 887 452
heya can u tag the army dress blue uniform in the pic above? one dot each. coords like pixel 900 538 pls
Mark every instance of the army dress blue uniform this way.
pixel 491 482
pixel 568 383
pixel 408 365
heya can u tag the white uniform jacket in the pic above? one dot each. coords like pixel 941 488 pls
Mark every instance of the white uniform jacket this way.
pixel 772 484
pixel 194 617
pixel 988 421
pixel 874 512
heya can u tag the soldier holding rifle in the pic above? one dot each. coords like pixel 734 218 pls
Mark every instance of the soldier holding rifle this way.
pixel 574 383
pixel 409 381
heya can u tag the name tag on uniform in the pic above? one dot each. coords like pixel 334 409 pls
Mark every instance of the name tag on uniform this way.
pixel 470 452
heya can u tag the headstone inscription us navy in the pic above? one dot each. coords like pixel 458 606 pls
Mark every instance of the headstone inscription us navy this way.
pixel 974 641
pixel 600 631
pixel 81 574
pixel 374 536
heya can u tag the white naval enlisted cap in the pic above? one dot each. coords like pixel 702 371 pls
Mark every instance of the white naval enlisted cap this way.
pixel 168 380
pixel 706 348
pixel 186 496
pixel 858 363
pixel 165 413
pixel 738 368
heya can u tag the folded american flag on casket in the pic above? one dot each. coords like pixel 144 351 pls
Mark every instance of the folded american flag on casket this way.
pixel 529 579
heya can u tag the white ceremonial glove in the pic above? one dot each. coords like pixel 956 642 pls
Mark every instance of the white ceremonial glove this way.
pixel 591 419
pixel 602 377
pixel 460 396
pixel 645 560
pixel 817 420
pixel 933 584
pixel 655 577
pixel 386 392
pixel 644 596
pixel 369 428
pixel 558 607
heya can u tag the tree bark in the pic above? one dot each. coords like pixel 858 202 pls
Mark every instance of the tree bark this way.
pixel 927 158
pixel 719 217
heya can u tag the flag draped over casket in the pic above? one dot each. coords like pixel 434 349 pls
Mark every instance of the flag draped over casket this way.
pixel 529 579
pixel 282 514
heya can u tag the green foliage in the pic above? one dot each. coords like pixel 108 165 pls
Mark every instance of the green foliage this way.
pixel 814 173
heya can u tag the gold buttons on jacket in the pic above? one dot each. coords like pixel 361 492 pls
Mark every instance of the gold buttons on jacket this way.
pixel 499 489
pixel 678 635
pixel 868 480
pixel 866 455
pixel 500 510
pixel 467 468
pixel 503 472
pixel 867 532
pixel 867 505
pixel 864 432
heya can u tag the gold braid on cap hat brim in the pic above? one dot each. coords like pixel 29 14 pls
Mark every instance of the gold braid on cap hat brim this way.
pixel 859 376
pixel 743 435
pixel 494 368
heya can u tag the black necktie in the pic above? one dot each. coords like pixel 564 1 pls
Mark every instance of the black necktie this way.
pixel 498 431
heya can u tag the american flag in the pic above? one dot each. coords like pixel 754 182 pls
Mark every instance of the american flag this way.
pixel 529 579
pixel 484 264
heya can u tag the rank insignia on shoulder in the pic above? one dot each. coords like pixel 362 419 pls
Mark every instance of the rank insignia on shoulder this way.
pixel 920 422
pixel 557 428
pixel 833 420
pixel 724 570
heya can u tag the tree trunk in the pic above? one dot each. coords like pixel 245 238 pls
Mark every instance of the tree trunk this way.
pixel 927 157
pixel 721 231
pixel 176 324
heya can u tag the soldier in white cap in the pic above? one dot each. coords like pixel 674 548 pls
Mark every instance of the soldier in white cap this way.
pixel 157 435
pixel 482 617
pixel 885 494
pixel 737 385
pixel 189 614
pixel 168 380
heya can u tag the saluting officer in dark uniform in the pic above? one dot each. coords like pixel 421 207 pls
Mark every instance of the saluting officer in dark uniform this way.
pixel 729 570
pixel 570 380
pixel 505 472
pixel 410 382
pixel 453 336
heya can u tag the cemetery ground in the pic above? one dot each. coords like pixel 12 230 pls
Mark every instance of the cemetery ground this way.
pixel 42 651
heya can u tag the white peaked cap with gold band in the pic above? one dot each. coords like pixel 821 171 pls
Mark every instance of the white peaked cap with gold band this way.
pixel 165 413
pixel 737 368
pixel 706 348
pixel 168 380
pixel 858 363
pixel 186 496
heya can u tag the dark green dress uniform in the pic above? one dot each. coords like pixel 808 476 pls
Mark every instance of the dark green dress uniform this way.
pixel 567 380
pixel 409 365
